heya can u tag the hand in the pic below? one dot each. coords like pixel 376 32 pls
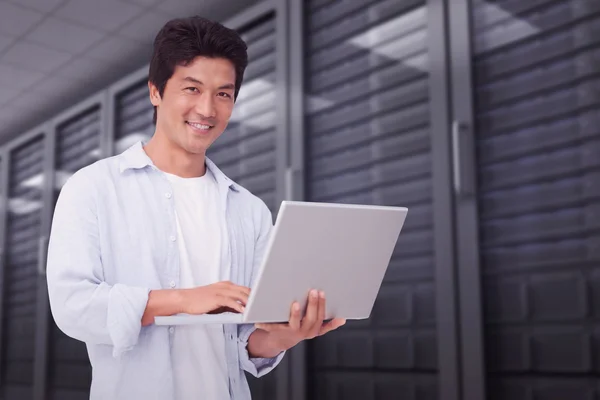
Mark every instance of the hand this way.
pixel 215 298
pixel 286 336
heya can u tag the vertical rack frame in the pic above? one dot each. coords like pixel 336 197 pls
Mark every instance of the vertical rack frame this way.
pixel 465 196
pixel 445 265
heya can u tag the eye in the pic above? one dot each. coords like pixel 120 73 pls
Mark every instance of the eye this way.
pixel 191 89
pixel 227 95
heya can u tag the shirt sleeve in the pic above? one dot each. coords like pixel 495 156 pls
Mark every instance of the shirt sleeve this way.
pixel 257 366
pixel 83 306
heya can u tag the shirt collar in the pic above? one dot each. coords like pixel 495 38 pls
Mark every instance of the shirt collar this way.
pixel 136 158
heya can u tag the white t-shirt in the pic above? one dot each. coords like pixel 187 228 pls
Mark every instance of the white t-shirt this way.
pixel 198 353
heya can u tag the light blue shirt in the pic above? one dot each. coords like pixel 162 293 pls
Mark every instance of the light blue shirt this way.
pixel 113 239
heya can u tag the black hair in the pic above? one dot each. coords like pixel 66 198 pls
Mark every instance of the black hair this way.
pixel 181 40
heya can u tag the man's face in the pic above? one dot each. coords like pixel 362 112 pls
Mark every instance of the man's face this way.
pixel 197 103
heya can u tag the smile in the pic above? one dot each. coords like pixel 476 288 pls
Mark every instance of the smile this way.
pixel 199 127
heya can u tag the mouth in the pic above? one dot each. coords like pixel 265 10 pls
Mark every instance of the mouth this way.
pixel 198 127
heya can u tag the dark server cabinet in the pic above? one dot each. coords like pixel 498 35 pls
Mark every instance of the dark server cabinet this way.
pixel 24 208
pixel 536 81
pixel 133 114
pixel 77 144
pixel 373 132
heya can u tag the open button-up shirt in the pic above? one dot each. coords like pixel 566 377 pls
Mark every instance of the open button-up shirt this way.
pixel 113 239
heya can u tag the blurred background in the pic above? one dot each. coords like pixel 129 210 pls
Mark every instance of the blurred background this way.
pixel 479 116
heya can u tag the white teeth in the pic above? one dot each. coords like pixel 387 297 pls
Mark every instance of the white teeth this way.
pixel 199 126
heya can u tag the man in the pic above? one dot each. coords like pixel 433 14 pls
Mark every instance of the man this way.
pixel 160 230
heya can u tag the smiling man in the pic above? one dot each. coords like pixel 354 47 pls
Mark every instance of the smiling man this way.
pixel 159 230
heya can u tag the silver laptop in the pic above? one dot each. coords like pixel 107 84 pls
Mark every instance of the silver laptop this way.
pixel 339 248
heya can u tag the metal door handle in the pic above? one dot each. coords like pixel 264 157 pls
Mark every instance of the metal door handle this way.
pixel 462 160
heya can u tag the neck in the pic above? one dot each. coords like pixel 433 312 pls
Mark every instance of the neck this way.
pixel 172 159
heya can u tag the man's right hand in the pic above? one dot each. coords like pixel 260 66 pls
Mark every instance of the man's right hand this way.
pixel 210 299
pixel 214 298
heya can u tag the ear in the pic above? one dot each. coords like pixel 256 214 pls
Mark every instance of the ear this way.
pixel 154 94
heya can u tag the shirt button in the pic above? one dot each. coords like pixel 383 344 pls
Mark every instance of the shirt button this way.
pixel 171 329
pixel 172 238
pixel 172 284
pixel 168 195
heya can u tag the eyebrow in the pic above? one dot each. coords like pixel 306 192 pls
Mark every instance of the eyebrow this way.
pixel 196 81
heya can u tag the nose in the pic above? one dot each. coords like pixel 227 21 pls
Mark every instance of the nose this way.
pixel 205 105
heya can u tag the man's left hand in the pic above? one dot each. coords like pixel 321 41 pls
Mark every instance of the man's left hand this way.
pixel 286 336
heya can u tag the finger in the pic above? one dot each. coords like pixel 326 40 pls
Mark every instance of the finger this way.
pixel 322 308
pixel 310 318
pixel 320 314
pixel 237 295
pixel 332 325
pixel 243 289
pixel 316 327
pixel 233 304
pixel 229 286
pixel 295 318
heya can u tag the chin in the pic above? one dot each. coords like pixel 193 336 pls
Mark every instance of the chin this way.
pixel 195 149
